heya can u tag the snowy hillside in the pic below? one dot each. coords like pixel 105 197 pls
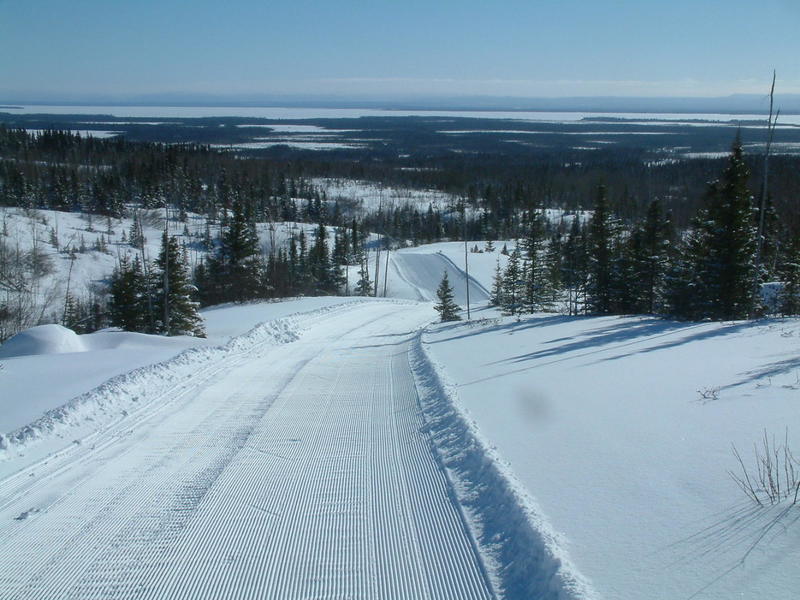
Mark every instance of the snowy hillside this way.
pixel 369 196
pixel 76 253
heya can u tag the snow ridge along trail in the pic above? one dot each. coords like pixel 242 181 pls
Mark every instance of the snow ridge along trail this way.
pixel 526 557
pixel 305 472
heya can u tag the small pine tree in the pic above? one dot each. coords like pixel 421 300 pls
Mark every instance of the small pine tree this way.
pixel 489 246
pixel 54 239
pixel 364 285
pixel 496 299
pixel 129 303
pixel 446 307
pixel 513 284
pixel 602 233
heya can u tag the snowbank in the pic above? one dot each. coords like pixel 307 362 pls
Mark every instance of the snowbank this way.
pixel 123 396
pixel 43 339
pixel 504 519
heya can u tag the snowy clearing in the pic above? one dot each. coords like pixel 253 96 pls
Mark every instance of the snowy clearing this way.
pixel 621 430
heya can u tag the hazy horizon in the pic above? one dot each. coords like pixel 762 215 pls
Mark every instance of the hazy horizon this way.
pixel 353 49
pixel 733 104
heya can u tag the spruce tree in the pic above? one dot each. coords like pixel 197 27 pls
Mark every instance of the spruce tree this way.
pixel 553 262
pixel 496 298
pixel 731 239
pixel 649 246
pixel 538 293
pixel 714 275
pixel 129 302
pixel 235 270
pixel 574 268
pixel 513 284
pixel 446 307
pixel 364 285
pixel 176 311
pixel 602 232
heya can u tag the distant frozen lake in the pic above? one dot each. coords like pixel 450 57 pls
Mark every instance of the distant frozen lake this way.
pixel 152 112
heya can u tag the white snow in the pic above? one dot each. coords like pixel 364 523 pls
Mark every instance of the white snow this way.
pixel 295 128
pixel 604 423
pixel 589 457
pixel 81 132
pixel 292 143
pixel 293 472
pixel 43 339
pixel 46 367
pixel 370 195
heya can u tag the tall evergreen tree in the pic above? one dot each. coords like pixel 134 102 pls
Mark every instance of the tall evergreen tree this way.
pixel 575 267
pixel 235 270
pixel 175 309
pixel 602 233
pixel 714 276
pixel 513 284
pixel 538 293
pixel 649 246
pixel 129 306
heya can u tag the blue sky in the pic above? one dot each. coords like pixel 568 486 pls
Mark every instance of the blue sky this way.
pixel 355 47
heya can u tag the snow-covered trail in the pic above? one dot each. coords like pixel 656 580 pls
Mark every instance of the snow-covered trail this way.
pixel 416 275
pixel 304 471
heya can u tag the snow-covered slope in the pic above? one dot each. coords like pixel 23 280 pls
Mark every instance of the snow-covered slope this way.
pixel 58 386
pixel 621 431
pixel 77 253
pixel 415 273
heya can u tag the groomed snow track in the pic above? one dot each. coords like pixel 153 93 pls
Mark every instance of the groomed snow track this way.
pixel 305 471
pixel 525 557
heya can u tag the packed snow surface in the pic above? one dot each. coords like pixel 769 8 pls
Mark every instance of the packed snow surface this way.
pixel 46 366
pixel 292 471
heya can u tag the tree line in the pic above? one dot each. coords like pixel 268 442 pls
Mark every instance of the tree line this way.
pixel 710 270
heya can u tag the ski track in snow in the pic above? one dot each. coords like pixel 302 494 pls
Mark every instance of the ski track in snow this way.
pixel 301 474
pixel 419 270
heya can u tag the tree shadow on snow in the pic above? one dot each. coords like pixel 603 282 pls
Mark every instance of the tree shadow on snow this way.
pixel 743 533
pixel 618 336
pixel 781 367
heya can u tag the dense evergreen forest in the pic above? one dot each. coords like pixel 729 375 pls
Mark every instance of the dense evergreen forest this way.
pixel 676 237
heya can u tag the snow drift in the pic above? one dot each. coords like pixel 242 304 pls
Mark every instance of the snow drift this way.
pixel 504 519
pixel 43 339
pixel 123 396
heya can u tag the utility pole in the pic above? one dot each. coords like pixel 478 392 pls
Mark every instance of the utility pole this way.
pixel 166 269
pixel 386 267
pixel 378 247
pixel 466 255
